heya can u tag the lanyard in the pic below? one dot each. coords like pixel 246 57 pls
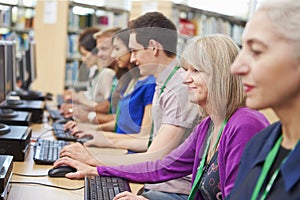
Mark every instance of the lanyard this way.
pixel 168 79
pixel 161 91
pixel 266 168
pixel 117 117
pixel 201 166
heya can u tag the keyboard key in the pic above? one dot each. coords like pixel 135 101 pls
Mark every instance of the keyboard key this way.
pixel 104 187
pixel 60 134
pixel 47 151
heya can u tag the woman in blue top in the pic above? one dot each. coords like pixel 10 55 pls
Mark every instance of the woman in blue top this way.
pixel 132 103
pixel 269 65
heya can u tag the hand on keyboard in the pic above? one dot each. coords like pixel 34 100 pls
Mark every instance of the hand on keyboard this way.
pixel 61 134
pixel 79 152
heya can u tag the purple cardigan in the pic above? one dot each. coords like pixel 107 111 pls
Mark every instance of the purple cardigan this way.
pixel 185 159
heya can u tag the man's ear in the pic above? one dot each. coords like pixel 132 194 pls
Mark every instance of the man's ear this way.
pixel 155 46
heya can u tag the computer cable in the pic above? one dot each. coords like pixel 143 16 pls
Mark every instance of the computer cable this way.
pixel 43 184
pixel 42 134
pixel 30 175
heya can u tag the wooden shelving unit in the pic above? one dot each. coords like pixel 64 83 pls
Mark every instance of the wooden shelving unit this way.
pixel 57 42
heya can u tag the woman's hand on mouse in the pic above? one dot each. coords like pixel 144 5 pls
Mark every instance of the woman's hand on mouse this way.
pixel 82 169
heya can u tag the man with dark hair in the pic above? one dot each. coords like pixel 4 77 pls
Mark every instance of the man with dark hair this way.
pixel 156 26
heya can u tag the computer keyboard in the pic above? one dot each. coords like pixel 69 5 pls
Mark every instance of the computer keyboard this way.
pixel 47 151
pixel 104 187
pixel 60 134
pixel 55 114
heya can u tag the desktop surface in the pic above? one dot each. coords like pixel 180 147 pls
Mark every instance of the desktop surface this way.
pixel 35 192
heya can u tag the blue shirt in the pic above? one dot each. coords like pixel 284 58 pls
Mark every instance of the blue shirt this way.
pixel 133 105
pixel 287 183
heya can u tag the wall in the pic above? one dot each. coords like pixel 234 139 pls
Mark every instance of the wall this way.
pixel 50 41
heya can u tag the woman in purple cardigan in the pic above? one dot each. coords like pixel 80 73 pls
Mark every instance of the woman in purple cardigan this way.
pixel 216 144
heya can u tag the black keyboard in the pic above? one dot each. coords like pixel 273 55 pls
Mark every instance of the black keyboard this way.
pixel 60 134
pixel 104 187
pixel 55 114
pixel 47 151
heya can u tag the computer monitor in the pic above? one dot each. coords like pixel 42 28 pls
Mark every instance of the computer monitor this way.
pixel 2 71
pixel 30 60
pixel 7 79
pixel 10 67
pixel 21 73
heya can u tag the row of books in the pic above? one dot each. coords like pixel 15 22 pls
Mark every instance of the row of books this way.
pixel 71 73
pixel 19 18
pixel 5 16
pixel 204 23
pixel 72 46
pixel 22 40
pixel 76 75
pixel 101 19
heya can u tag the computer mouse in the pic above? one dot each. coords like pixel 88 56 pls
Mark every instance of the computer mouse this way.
pixel 60 171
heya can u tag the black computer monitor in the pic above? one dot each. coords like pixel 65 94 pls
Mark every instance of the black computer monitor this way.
pixel 30 62
pixel 22 75
pixel 10 67
pixel 21 68
pixel 2 71
pixel 7 78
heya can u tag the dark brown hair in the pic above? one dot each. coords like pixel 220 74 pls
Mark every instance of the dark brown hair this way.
pixel 156 26
pixel 86 39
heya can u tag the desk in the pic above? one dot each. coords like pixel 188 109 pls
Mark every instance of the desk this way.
pixel 31 192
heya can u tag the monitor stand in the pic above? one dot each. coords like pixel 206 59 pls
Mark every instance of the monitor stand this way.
pixel 30 95
pixel 11 117
pixel 36 108
pixel 4 129
pixel 7 113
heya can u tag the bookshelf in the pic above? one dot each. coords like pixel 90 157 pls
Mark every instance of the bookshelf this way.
pixel 17 22
pixel 81 16
pixel 58 41
pixel 194 21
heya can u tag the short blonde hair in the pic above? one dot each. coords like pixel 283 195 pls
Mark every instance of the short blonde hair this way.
pixel 106 33
pixel 214 54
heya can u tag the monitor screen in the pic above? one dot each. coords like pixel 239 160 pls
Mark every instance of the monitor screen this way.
pixel 2 71
pixel 21 68
pixel 10 60
pixel 32 49
pixel 30 62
